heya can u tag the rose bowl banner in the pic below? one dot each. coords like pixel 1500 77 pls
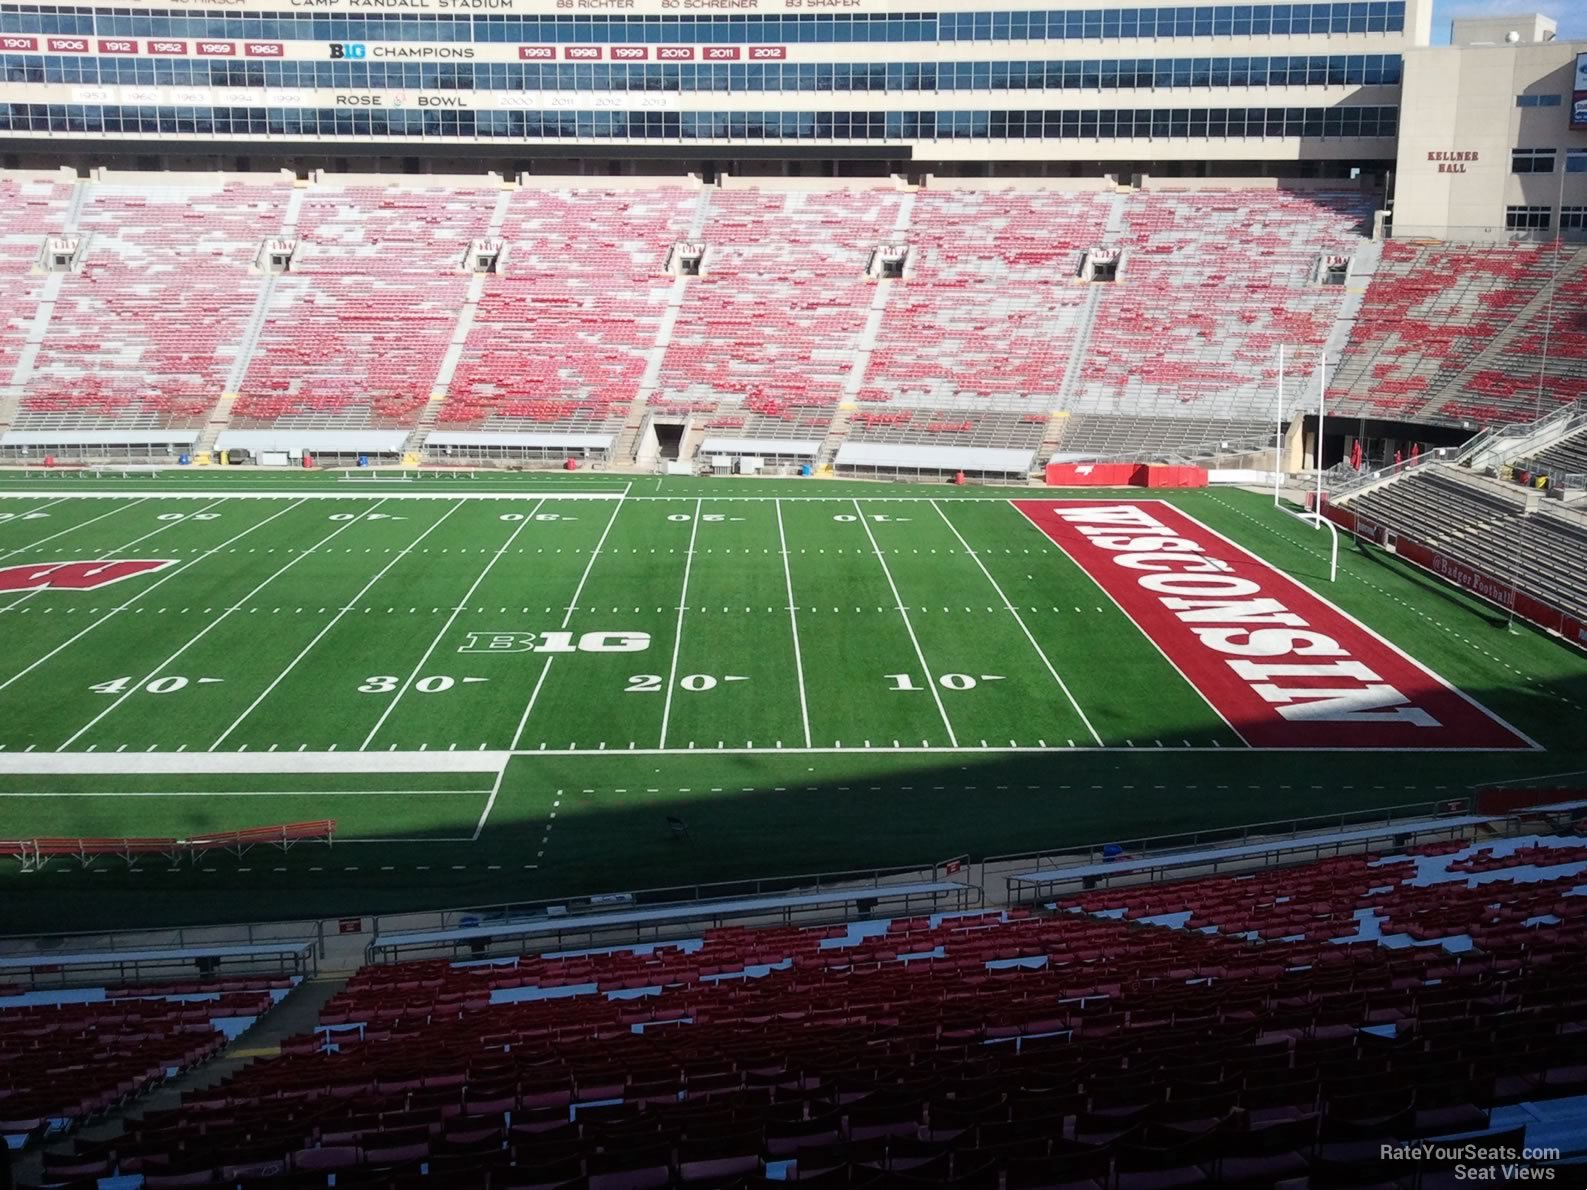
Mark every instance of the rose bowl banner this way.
pixel 1283 667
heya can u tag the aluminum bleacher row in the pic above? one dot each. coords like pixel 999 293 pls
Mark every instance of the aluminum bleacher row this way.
pixel 1230 1030
pixel 69 1055
pixel 376 323
pixel 1484 524
pixel 1455 334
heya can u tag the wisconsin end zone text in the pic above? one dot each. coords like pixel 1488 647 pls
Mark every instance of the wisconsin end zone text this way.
pixel 1284 667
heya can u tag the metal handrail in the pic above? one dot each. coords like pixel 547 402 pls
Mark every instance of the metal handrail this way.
pixel 1344 479
pixel 1090 853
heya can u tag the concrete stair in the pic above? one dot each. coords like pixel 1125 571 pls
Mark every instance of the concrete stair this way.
pixel 428 416
pixel 837 434
pixel 1051 437
pixel 297 1013
pixel 219 419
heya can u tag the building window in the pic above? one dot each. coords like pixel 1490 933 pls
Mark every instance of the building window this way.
pixel 1527 218
pixel 1537 101
pixel 1573 218
pixel 1576 161
pixel 1531 161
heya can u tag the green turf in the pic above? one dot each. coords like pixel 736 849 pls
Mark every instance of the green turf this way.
pixel 329 612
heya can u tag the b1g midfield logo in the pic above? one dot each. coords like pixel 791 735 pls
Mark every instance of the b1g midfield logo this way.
pixel 554 642
pixel 76 576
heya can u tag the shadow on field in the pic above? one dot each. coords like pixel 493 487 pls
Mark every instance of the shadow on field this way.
pixel 788 816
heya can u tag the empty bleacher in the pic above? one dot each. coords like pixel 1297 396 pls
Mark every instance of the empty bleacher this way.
pixel 1483 524
pixel 355 332
pixel 581 329
pixel 1230 1030
pixel 990 308
pixel 1567 457
pixel 561 334
pixel 144 333
pixel 66 1056
pixel 1467 334
pixel 770 328
pixel 1098 435
pixel 1209 286
pixel 949 427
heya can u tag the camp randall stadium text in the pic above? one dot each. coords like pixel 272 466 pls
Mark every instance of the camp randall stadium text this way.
pixel 409 5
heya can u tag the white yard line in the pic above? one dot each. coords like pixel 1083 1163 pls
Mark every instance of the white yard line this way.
pixel 111 555
pixel 450 620
pixel 793 620
pixel 573 604
pixel 490 804
pixel 677 636
pixel 22 549
pixel 298 493
pixel 168 574
pixel 57 764
pixel 1020 620
pixel 898 602
pixel 336 619
pixel 213 624
pixel 1161 652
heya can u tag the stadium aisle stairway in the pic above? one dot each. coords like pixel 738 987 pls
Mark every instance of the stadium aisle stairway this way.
pixel 66 1056
pixel 1233 1030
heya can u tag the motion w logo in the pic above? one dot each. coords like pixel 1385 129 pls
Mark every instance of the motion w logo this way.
pixel 75 576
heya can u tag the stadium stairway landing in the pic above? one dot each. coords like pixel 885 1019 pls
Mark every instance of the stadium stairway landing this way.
pixel 297 1013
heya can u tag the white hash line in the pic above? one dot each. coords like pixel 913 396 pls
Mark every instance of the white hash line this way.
pixel 212 625
pixel 83 524
pixel 110 555
pixel 534 695
pixel 490 804
pixel 450 620
pixel 22 549
pixel 347 607
pixel 793 619
pixel 1141 628
pixel 1020 620
pixel 898 602
pixel 677 636
pixel 168 576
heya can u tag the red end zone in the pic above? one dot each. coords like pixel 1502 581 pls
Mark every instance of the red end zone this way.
pixel 1284 667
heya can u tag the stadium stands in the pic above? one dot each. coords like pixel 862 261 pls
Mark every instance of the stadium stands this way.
pixel 561 334
pixel 991 306
pixel 144 333
pixel 355 332
pixel 1210 285
pixel 770 329
pixel 1562 460
pixel 580 330
pixel 1097 435
pixel 1232 1030
pixel 66 1056
pixel 1484 524
pixel 1454 334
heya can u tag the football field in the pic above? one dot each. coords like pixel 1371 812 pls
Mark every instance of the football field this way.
pixel 434 662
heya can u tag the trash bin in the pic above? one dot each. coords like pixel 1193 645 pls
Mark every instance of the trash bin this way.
pixel 363 460
pixel 807 470
pixel 183 460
